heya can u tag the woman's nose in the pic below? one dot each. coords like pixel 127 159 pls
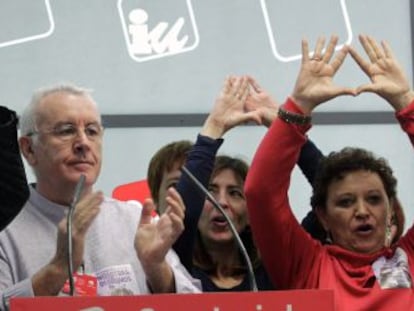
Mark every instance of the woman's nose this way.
pixel 222 199
pixel 361 209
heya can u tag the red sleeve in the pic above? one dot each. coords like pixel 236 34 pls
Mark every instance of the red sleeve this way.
pixel 406 119
pixel 288 252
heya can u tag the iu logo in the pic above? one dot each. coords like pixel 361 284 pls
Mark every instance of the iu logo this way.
pixel 154 29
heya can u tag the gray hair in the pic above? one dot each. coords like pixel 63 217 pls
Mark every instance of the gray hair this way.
pixel 28 119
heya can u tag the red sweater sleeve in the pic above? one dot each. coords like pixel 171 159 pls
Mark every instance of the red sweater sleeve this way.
pixel 287 250
pixel 406 119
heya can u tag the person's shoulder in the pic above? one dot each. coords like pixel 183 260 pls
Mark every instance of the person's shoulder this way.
pixel 25 216
pixel 25 223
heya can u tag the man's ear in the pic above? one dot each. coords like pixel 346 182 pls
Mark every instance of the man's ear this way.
pixel 26 147
pixel 321 214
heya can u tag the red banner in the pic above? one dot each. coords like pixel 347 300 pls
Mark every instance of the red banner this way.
pixel 295 300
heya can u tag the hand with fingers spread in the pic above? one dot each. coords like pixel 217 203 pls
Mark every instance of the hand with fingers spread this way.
pixel 388 79
pixel 228 110
pixel 154 239
pixel 261 102
pixel 314 84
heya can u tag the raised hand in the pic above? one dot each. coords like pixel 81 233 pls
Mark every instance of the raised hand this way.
pixel 388 80
pixel 228 110
pixel 261 102
pixel 314 84
pixel 154 239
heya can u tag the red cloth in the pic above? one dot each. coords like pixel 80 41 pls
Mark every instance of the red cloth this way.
pixel 137 190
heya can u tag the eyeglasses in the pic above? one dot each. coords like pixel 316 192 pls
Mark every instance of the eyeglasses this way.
pixel 68 131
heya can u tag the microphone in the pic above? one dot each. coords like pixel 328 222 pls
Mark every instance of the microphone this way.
pixel 210 197
pixel 76 196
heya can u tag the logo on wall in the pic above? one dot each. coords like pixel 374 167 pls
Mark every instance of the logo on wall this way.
pixel 286 27
pixel 153 29
pixel 14 23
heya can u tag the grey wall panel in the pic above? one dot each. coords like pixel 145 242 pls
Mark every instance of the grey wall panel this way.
pixel 89 44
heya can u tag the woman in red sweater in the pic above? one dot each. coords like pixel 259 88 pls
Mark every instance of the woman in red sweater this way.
pixel 367 265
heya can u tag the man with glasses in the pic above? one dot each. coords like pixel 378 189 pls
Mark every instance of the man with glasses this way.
pixel 114 242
